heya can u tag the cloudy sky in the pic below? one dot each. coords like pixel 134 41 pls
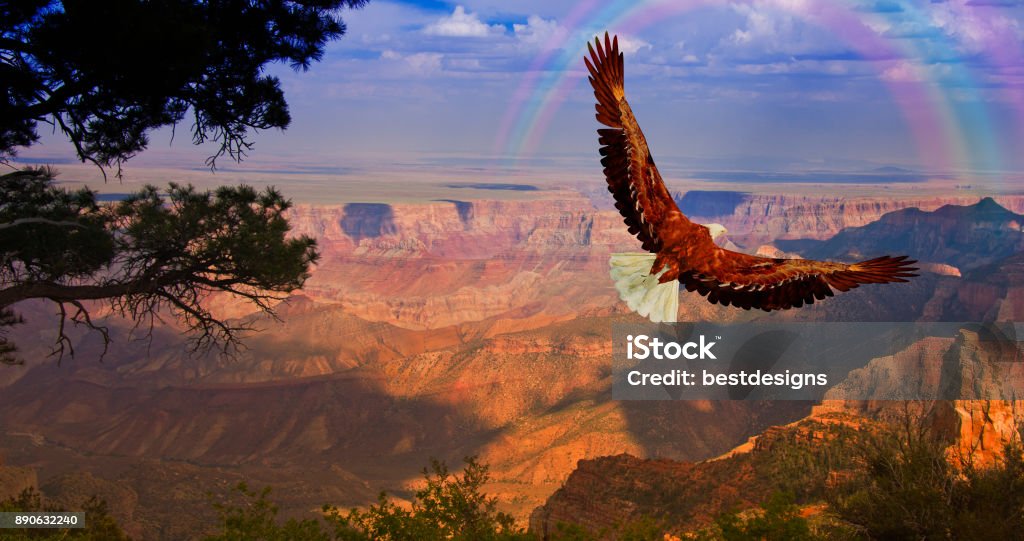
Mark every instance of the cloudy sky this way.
pixel 760 85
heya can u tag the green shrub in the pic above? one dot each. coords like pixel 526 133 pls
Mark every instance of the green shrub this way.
pixel 449 507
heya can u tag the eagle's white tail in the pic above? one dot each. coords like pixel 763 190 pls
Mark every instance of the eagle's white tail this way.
pixel 641 291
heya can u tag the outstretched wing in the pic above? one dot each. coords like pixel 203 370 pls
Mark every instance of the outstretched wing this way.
pixel 748 281
pixel 633 179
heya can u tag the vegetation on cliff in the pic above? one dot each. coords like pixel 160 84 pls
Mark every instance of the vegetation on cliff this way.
pixel 448 507
pixel 911 488
pixel 895 483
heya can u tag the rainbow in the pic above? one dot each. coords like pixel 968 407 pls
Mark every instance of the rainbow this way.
pixel 952 127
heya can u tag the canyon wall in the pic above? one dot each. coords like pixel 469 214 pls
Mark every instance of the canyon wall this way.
pixel 432 265
pixel 760 218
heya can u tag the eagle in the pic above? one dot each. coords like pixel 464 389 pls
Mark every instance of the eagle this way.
pixel 679 251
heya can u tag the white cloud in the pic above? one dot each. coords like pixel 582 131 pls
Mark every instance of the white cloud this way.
pixel 903 72
pixel 630 45
pixel 627 44
pixel 539 32
pixel 975 27
pixel 462 24
pixel 763 26
pixel 417 62
pixel 775 27
pixel 680 52
pixel 911 72
pixel 424 62
pixel 878 25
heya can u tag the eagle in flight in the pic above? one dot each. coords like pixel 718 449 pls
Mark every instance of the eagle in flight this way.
pixel 681 251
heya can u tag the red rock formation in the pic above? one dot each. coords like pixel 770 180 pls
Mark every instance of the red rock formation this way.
pixel 763 218
pixel 604 494
pixel 970 367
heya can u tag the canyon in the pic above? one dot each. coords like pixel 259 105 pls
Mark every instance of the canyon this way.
pixel 451 328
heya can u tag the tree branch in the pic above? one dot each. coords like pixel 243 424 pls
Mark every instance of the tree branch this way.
pixel 67 293
pixel 37 220
pixel 156 255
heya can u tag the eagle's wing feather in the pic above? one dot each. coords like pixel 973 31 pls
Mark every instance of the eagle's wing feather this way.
pixel 750 281
pixel 633 179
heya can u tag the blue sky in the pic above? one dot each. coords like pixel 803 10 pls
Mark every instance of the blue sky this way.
pixel 754 84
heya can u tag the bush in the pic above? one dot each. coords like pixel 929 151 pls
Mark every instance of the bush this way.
pixel 778 520
pixel 910 490
pixel 450 507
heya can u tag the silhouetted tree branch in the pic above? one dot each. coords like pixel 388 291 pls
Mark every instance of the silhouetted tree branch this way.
pixel 107 73
pixel 153 253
